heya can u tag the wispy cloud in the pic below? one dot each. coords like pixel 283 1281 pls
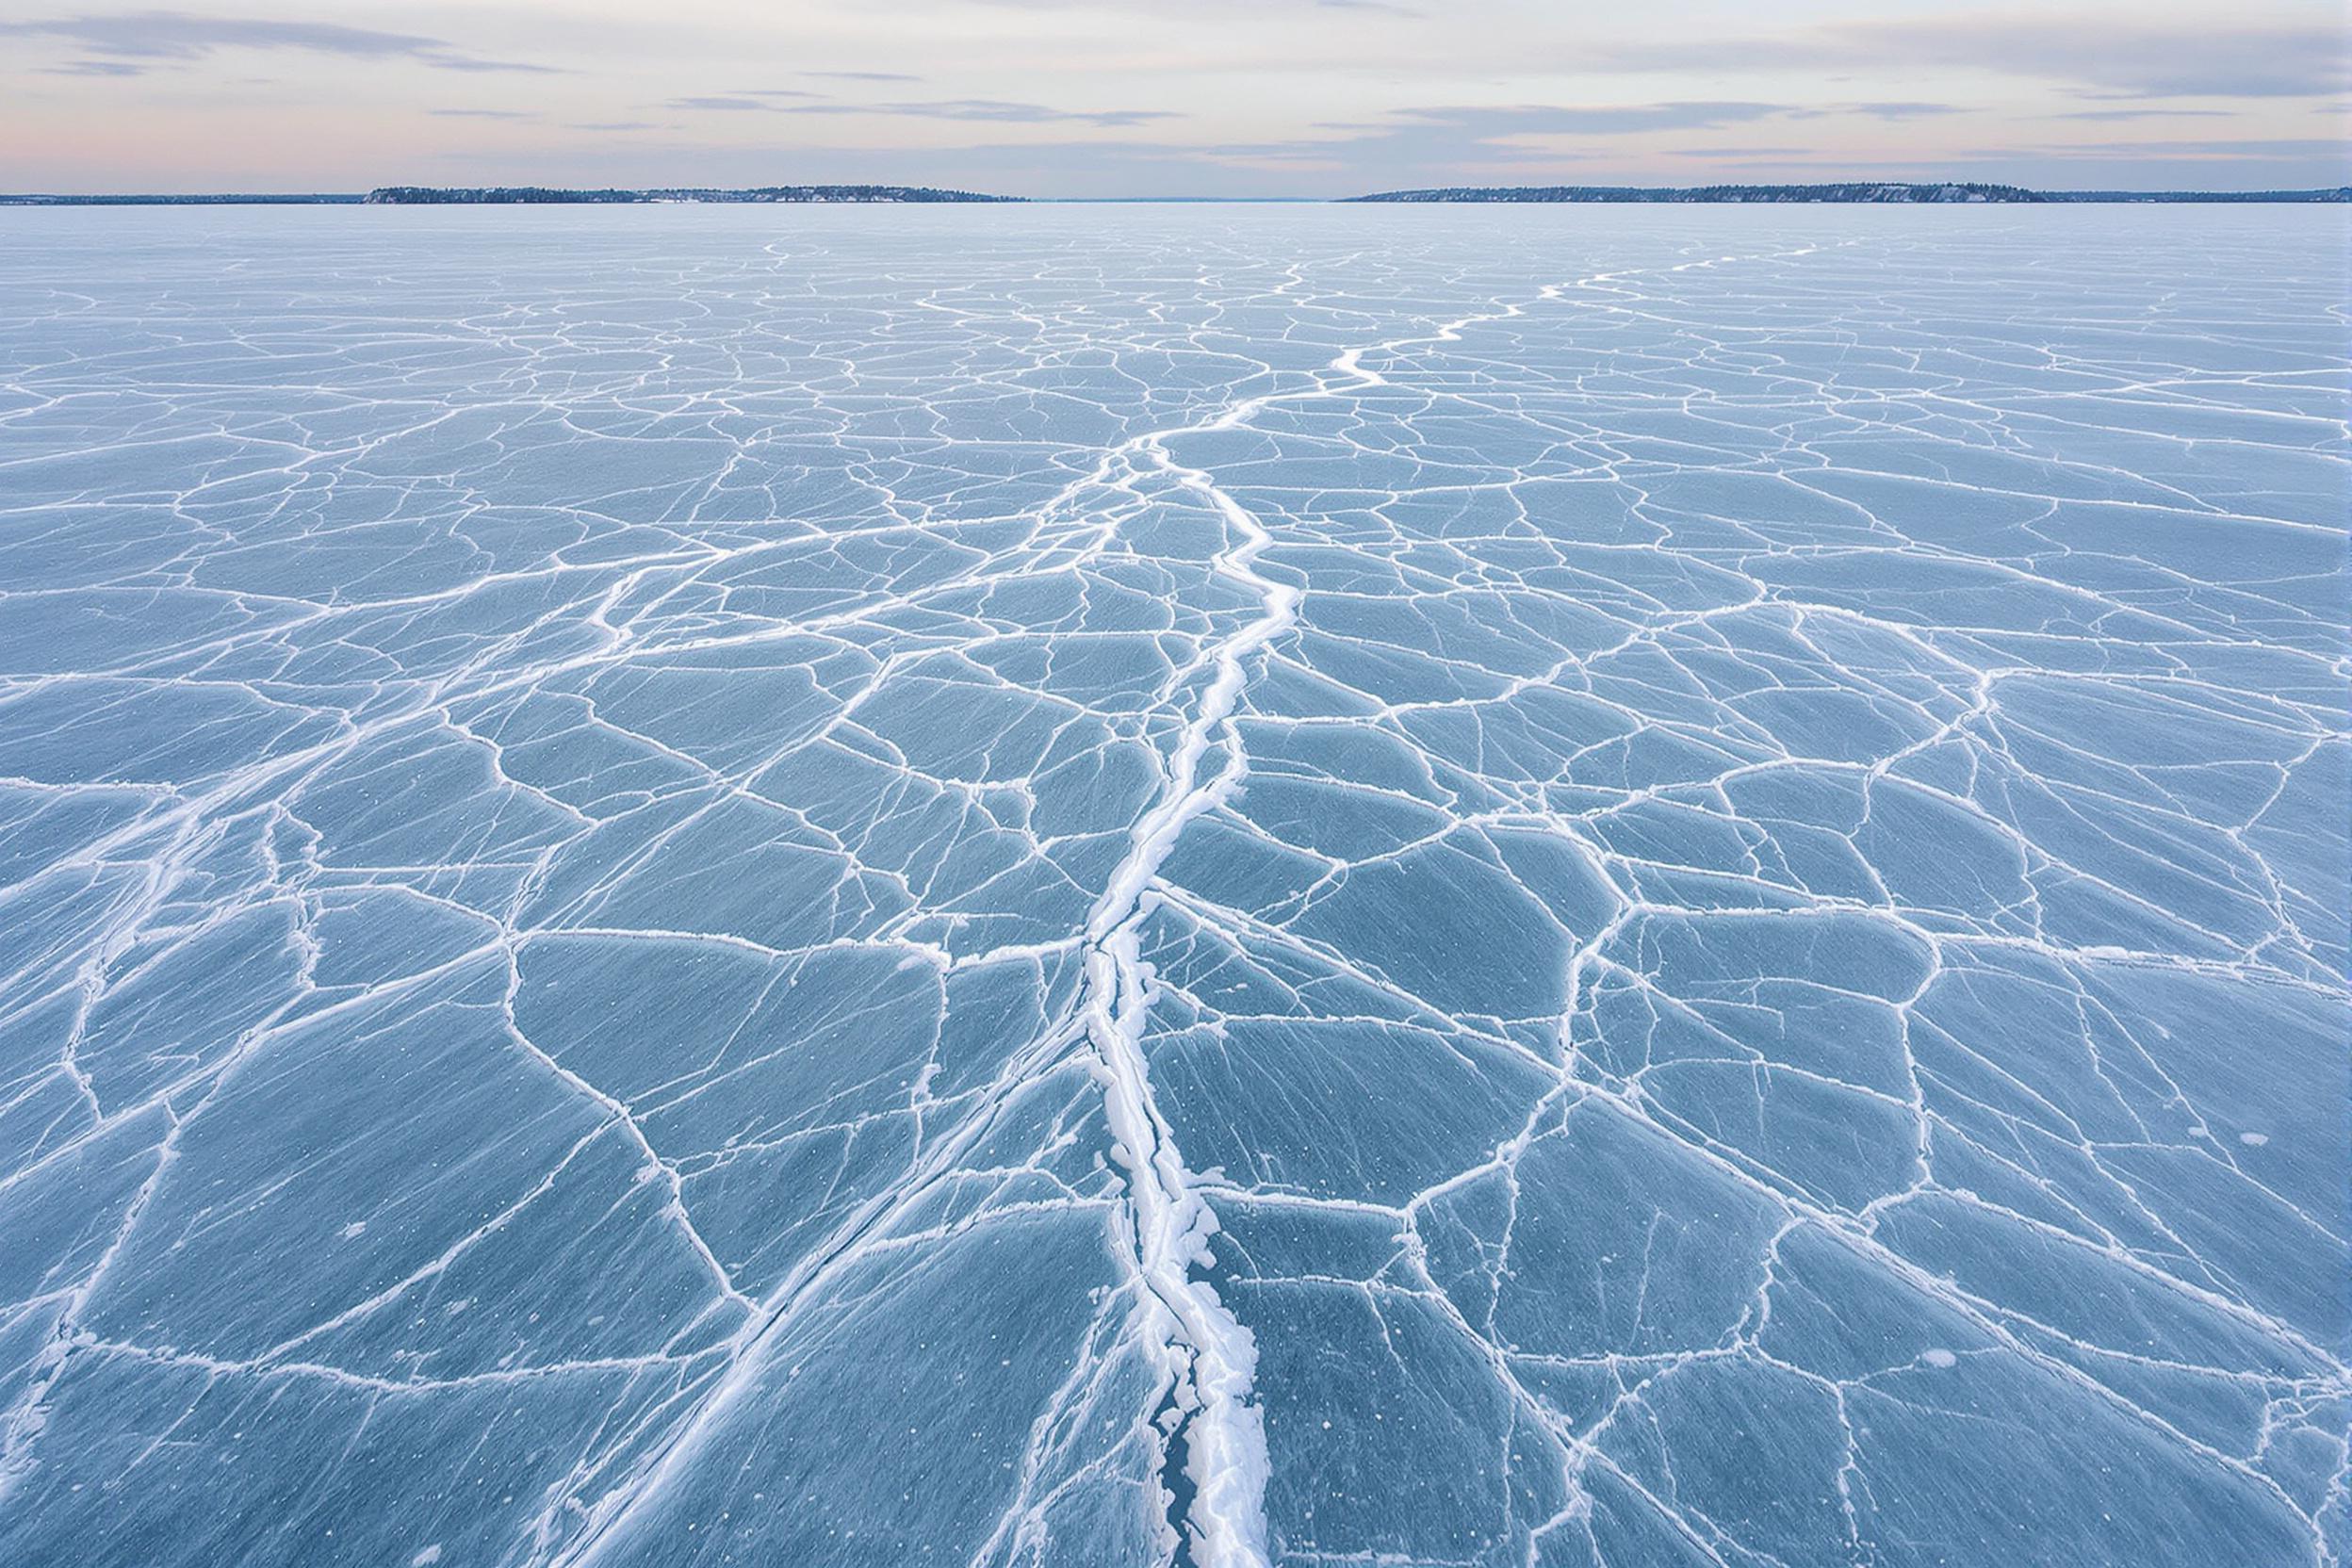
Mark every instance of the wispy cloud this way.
pixel 1737 152
pixel 2247 148
pixel 136 41
pixel 995 111
pixel 1469 135
pixel 2144 114
pixel 1901 110
pixel 2135 60
pixel 1438 144
pixel 1592 120
pixel 1006 113
pixel 95 68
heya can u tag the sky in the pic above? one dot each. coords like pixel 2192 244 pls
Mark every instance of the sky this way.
pixel 1243 98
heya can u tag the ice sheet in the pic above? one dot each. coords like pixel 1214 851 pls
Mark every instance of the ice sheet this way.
pixel 1137 886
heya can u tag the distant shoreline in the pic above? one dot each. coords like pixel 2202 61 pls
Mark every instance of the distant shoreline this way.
pixel 766 195
pixel 1871 193
pixel 532 195
pixel 1851 192
pixel 310 198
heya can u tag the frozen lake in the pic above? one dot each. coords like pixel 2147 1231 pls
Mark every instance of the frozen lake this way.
pixel 1202 885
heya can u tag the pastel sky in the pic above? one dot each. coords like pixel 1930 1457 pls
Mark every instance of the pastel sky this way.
pixel 1194 97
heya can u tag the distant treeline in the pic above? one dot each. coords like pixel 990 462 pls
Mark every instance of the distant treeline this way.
pixel 417 195
pixel 313 199
pixel 1853 190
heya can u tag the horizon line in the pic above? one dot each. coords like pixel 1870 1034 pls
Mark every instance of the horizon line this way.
pixel 1430 195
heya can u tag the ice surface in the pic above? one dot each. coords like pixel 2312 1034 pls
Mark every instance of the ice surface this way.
pixel 1113 887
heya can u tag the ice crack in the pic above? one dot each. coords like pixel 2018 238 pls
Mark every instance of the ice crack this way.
pixel 1213 1357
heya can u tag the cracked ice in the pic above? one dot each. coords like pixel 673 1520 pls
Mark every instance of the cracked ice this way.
pixel 1240 886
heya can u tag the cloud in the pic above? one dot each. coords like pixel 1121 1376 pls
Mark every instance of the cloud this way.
pixel 1591 120
pixel 1901 111
pixel 464 62
pixel 1739 152
pixel 861 75
pixel 1000 112
pixel 755 102
pixel 2225 152
pixel 2144 114
pixel 2140 61
pixel 140 39
pixel 993 111
pixel 480 114
pixel 95 68
pixel 613 125
pixel 1461 144
pixel 1485 133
